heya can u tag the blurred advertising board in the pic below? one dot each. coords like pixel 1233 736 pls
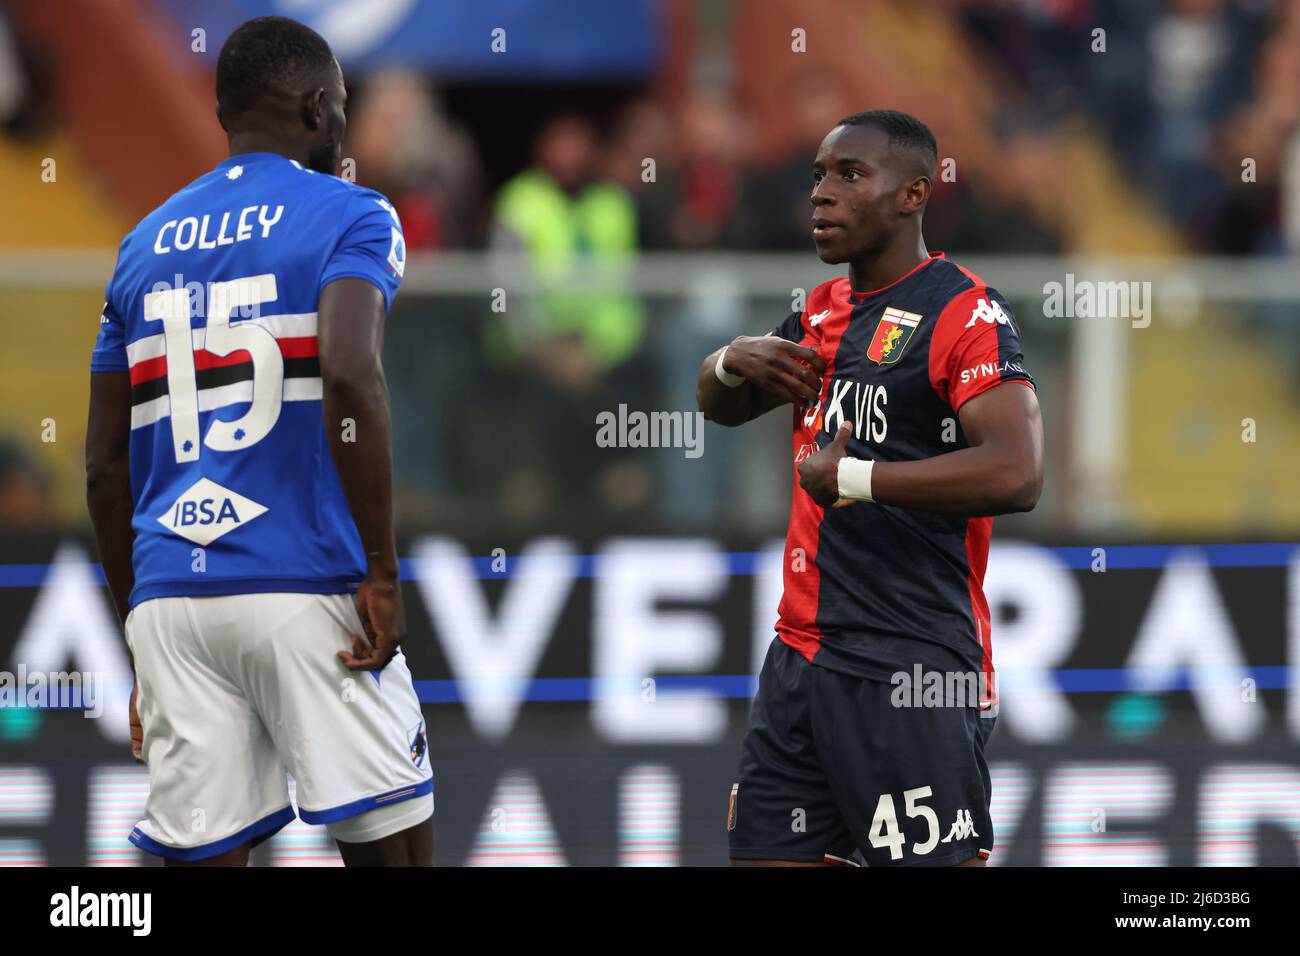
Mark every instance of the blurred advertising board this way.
pixel 586 700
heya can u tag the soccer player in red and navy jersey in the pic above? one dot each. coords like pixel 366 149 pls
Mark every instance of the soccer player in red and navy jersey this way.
pixel 914 422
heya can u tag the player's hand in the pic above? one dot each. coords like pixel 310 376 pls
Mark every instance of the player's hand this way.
pixel 137 728
pixel 819 473
pixel 379 605
pixel 771 364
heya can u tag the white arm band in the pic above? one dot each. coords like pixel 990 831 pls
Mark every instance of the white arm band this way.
pixel 854 475
pixel 728 379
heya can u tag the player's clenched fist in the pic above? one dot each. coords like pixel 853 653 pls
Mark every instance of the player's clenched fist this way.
pixel 819 472
pixel 781 368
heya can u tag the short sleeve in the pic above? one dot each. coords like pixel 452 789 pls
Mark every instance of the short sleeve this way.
pixel 109 354
pixel 370 246
pixel 791 329
pixel 975 347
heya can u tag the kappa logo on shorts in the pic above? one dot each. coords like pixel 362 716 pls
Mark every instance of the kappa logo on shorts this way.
pixel 206 511
pixel 732 808
pixel 963 828
pixel 419 743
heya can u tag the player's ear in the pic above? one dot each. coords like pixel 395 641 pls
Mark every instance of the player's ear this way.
pixel 916 194
pixel 313 109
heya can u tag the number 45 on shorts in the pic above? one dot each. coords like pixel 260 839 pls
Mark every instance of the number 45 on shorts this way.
pixel 884 831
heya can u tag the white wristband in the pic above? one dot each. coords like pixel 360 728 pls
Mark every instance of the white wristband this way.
pixel 729 379
pixel 854 478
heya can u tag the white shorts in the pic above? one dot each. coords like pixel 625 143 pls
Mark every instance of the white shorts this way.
pixel 236 691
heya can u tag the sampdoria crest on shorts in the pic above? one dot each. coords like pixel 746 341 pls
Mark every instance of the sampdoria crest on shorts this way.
pixel 419 743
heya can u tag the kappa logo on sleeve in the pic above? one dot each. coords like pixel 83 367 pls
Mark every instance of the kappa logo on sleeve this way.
pixel 989 313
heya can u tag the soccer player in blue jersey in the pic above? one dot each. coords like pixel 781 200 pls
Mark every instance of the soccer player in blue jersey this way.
pixel 239 479
pixel 914 422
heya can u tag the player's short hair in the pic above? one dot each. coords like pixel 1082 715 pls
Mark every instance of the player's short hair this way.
pixel 268 52
pixel 903 129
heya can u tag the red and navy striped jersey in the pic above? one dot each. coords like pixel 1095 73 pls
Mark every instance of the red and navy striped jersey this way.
pixel 212 312
pixel 872 589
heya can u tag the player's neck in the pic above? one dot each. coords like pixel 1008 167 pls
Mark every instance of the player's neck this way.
pixel 867 275
pixel 254 142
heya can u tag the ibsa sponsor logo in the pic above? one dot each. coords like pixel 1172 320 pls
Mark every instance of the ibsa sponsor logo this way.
pixel 985 369
pixel 206 511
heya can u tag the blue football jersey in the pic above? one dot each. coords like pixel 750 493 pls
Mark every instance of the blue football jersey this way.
pixel 212 311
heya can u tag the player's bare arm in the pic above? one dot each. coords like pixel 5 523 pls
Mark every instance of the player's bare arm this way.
pixel 1000 473
pixel 108 496
pixel 108 480
pixel 351 334
pixel 774 370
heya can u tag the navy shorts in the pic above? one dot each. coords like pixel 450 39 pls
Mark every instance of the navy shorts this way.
pixel 832 771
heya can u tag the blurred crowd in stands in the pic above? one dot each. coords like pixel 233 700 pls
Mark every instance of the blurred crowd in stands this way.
pixel 1198 101
pixel 1185 92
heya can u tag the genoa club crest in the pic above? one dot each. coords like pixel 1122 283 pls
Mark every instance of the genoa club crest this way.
pixel 892 335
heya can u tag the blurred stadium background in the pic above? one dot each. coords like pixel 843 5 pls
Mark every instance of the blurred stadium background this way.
pixel 595 197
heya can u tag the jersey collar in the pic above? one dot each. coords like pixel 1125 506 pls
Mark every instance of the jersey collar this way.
pixel 907 275
pixel 246 159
